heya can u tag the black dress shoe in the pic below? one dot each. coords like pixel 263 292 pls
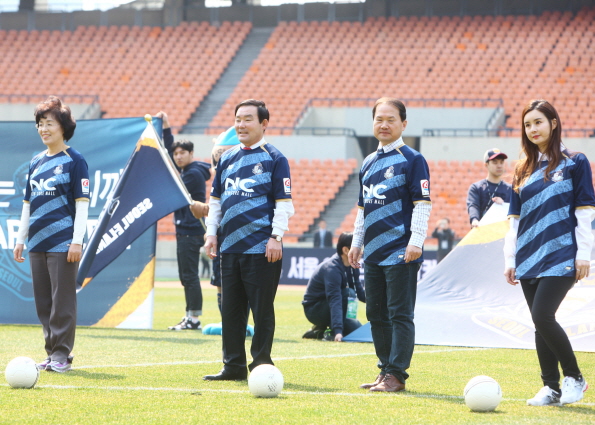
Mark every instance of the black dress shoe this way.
pixel 226 375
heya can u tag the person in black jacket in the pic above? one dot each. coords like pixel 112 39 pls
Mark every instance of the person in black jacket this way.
pixel 492 189
pixel 326 298
pixel 190 231
pixel 323 238
pixel 445 236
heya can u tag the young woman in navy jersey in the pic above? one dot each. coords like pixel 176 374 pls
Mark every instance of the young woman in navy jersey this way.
pixel 548 247
pixel 54 217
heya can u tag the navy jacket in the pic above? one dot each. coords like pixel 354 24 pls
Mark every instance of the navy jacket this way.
pixel 194 176
pixel 330 281
pixel 479 199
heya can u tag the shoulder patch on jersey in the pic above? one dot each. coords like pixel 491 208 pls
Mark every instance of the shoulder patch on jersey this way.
pixel 425 187
pixel 287 185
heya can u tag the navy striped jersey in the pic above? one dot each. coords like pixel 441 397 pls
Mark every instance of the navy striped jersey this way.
pixel 248 183
pixel 390 184
pixel 54 184
pixel 546 240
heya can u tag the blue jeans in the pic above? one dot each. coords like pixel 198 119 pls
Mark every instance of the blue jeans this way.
pixel 390 302
pixel 188 251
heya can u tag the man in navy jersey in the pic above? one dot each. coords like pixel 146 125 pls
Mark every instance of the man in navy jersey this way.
pixel 492 189
pixel 251 204
pixel 392 221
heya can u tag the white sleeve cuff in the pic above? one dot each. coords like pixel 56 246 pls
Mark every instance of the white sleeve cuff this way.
pixel 419 223
pixel 584 235
pixel 80 222
pixel 24 224
pixel 283 211
pixel 214 218
pixel 510 243
pixel 358 229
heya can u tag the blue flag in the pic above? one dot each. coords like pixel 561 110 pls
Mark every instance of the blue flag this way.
pixel 148 189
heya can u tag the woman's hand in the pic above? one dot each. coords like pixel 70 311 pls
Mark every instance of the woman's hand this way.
pixel 509 273
pixel 583 267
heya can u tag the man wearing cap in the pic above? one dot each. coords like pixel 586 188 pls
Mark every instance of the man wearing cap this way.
pixel 492 189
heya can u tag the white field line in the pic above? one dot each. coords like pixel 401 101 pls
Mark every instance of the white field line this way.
pixel 307 393
pixel 325 356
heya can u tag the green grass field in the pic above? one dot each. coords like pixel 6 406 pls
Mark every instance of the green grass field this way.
pixel 155 377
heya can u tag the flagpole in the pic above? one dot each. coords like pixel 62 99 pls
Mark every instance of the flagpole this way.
pixel 170 165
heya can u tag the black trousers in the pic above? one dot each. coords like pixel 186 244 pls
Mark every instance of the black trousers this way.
pixel 188 252
pixel 544 296
pixel 248 279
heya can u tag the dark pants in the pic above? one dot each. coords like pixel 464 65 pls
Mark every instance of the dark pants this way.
pixel 544 296
pixel 54 289
pixel 248 279
pixel 390 302
pixel 319 314
pixel 188 251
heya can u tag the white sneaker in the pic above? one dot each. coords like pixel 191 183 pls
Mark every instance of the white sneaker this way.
pixel 545 397
pixel 573 389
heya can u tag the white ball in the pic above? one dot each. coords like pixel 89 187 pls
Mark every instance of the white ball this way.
pixel 21 372
pixel 265 381
pixel 482 394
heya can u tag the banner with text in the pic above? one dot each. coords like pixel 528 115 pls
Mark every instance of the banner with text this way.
pixel 122 295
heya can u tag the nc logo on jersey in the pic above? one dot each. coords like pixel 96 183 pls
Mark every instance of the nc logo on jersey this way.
pixel 558 176
pixel 425 187
pixel 257 169
pixel 59 169
pixel 287 185
pixel 43 184
pixel 372 191
pixel 85 186
pixel 390 172
pixel 239 184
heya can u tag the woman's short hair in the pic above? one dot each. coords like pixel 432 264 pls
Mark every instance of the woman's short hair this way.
pixel 60 112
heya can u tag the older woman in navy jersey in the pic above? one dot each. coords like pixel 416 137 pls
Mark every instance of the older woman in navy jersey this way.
pixel 54 217
pixel 548 247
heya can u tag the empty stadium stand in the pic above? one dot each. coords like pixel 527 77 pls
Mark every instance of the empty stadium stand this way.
pixel 134 70
pixel 498 57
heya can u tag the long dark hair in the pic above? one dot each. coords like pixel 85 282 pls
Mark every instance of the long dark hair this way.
pixel 527 165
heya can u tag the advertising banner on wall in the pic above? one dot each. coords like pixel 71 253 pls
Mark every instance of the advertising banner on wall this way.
pixel 122 294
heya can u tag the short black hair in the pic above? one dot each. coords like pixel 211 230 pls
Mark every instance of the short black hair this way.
pixel 263 112
pixel 344 240
pixel 187 145
pixel 60 112
pixel 394 102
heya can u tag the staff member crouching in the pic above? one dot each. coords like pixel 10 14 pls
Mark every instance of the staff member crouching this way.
pixel 327 293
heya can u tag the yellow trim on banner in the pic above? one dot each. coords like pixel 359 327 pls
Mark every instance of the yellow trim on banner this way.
pixel 152 143
pixel 136 294
pixel 485 234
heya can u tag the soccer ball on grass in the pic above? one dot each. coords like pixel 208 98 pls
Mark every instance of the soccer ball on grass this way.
pixel 265 381
pixel 482 394
pixel 21 372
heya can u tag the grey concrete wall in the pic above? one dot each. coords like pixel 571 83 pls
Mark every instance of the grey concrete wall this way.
pixel 418 119
pixel 473 148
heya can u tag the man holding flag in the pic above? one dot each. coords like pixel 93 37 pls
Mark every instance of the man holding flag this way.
pixel 251 204
pixel 189 230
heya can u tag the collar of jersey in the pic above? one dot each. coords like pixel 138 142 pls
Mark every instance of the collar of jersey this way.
pixel 255 145
pixel 392 146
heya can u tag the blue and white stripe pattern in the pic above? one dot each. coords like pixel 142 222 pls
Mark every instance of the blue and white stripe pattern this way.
pixel 248 184
pixel 546 240
pixel 53 186
pixel 391 182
